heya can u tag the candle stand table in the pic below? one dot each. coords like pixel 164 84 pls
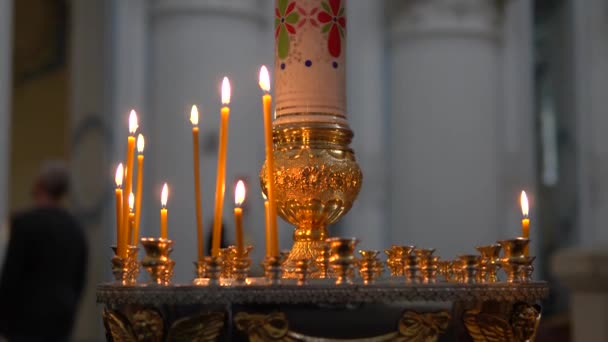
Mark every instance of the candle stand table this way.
pixel 322 311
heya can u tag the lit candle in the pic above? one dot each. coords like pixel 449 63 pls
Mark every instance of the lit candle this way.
pixel 525 221
pixel 220 185
pixel 239 198
pixel 140 179
pixel 118 193
pixel 131 219
pixel 266 104
pixel 128 178
pixel 267 226
pixel 197 183
pixel 164 195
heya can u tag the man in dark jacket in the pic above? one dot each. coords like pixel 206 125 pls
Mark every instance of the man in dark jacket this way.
pixel 45 265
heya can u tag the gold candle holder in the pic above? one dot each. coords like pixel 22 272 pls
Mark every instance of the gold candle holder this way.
pixel 490 263
pixel 213 269
pixel 470 267
pixel 317 180
pixel 227 255
pixel 514 247
pixel 126 271
pixel 342 258
pixel 302 271
pixel 395 259
pixel 411 269
pixel 514 251
pixel 526 269
pixel 273 269
pixel 322 261
pixel 427 264
pixel 443 269
pixel 157 261
pixel 200 271
pixel 370 266
pixel 120 269
pixel 241 265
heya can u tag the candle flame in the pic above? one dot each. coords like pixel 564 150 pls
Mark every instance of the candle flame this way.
pixel 131 201
pixel 225 91
pixel 194 115
pixel 164 195
pixel 119 175
pixel 239 193
pixel 141 143
pixel 264 196
pixel 133 122
pixel 264 79
pixel 524 204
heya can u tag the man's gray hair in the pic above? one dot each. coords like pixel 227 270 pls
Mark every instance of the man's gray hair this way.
pixel 54 179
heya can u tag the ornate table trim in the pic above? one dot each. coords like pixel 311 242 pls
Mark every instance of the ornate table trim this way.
pixel 111 294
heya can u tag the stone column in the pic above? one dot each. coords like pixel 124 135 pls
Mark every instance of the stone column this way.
pixel 193 45
pixel 6 85
pixel 590 69
pixel 445 90
pixel 91 159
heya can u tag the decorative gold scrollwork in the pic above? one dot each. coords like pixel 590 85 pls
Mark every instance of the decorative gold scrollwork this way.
pixel 521 326
pixel 413 326
pixel 262 327
pixel 423 327
pixel 146 325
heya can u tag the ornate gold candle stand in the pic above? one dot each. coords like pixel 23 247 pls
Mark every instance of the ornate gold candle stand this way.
pixel 342 258
pixel 157 261
pixel 317 180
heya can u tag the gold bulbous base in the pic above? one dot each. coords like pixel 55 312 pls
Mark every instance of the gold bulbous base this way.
pixel 317 179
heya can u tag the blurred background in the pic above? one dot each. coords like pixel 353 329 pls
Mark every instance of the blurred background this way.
pixel 456 105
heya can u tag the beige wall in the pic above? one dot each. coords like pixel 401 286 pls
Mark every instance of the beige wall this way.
pixel 39 119
pixel 38 133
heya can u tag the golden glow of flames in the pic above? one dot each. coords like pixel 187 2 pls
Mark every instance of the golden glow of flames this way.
pixel 164 195
pixel 131 201
pixel 264 196
pixel 141 143
pixel 524 204
pixel 119 175
pixel 225 91
pixel 133 122
pixel 264 79
pixel 194 115
pixel 239 193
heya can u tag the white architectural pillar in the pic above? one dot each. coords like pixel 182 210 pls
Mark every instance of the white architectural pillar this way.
pixel 445 88
pixel 193 44
pixel 366 110
pixel 590 69
pixel 91 155
pixel 6 86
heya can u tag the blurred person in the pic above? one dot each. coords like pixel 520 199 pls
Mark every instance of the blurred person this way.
pixel 45 265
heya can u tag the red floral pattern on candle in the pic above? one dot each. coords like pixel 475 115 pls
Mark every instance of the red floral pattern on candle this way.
pixel 332 16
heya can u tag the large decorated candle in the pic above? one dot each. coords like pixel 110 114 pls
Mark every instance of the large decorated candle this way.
pixel 310 48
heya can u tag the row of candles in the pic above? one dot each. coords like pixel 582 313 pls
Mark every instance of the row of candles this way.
pixel 128 203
